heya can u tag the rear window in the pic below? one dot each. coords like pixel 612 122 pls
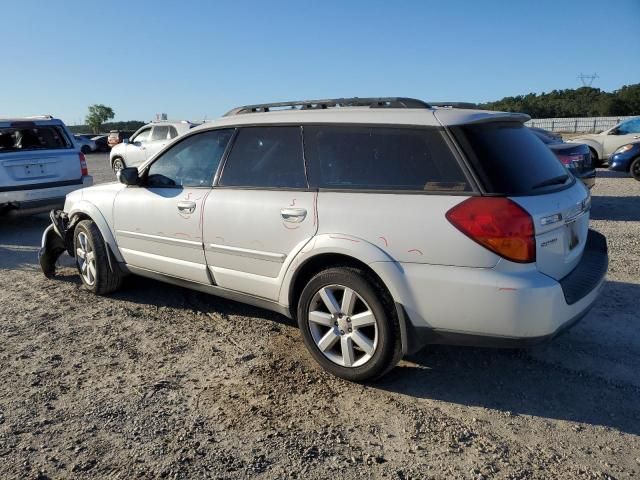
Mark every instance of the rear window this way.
pixel 17 139
pixel 510 160
pixel 380 158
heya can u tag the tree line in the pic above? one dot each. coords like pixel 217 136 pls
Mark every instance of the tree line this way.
pixel 130 125
pixel 578 102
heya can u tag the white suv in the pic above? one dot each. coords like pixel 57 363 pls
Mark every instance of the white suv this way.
pixel 146 142
pixel 381 225
pixel 39 164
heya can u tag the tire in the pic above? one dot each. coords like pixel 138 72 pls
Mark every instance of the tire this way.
pixel 595 161
pixel 117 164
pixel 85 149
pixel 634 169
pixel 334 341
pixel 95 273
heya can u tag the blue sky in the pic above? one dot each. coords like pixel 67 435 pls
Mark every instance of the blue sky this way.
pixel 196 59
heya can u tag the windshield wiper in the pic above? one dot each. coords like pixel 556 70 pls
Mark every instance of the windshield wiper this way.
pixel 559 180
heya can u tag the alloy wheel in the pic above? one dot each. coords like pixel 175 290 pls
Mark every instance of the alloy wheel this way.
pixel 86 259
pixel 343 326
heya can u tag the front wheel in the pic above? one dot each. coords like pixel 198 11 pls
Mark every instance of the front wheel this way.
pixel 634 169
pixel 118 164
pixel 348 324
pixel 92 260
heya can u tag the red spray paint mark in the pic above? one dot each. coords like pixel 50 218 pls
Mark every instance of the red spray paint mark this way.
pixel 415 250
pixel 386 244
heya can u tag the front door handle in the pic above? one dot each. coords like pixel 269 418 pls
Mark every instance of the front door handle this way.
pixel 293 215
pixel 186 207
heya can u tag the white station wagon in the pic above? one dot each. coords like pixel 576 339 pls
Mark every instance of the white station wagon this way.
pixel 380 224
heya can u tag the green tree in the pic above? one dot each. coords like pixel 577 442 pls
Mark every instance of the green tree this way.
pixel 98 114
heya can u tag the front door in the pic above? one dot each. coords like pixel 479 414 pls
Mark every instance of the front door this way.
pixel 136 150
pixel 159 223
pixel 261 213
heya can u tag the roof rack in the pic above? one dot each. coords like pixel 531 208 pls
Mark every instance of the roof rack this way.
pixel 371 102
pixel 467 105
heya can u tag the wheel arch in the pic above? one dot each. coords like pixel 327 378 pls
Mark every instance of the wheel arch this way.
pixel 85 210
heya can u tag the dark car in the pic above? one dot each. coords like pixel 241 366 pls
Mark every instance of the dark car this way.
pixel 102 144
pixel 626 159
pixel 575 156
pixel 118 136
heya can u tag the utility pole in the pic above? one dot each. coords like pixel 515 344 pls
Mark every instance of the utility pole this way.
pixel 587 80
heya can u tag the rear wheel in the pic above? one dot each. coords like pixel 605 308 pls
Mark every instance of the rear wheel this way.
pixel 85 149
pixel 92 260
pixel 117 165
pixel 634 169
pixel 595 161
pixel 348 324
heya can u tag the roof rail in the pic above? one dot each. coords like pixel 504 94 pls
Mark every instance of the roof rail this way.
pixel 42 117
pixel 468 105
pixel 371 102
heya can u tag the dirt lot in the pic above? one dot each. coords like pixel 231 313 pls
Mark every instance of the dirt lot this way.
pixel 158 381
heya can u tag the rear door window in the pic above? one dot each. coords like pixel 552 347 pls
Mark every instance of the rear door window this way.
pixel 380 158
pixel 34 137
pixel 160 133
pixel 266 157
pixel 510 160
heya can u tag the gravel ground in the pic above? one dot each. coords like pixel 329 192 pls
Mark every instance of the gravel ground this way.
pixel 158 381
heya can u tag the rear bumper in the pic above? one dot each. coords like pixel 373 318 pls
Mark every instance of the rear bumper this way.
pixel 32 199
pixel 487 307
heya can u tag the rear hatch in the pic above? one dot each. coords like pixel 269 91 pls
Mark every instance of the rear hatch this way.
pixel 36 154
pixel 509 160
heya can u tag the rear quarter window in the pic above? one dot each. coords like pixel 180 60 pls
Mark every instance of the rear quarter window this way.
pixel 381 158
pixel 37 137
pixel 510 160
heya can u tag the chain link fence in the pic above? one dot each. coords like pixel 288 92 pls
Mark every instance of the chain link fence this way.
pixel 576 125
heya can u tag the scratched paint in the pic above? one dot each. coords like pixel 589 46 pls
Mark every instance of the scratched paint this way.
pixel 344 238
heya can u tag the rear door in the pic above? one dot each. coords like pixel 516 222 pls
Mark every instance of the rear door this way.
pixel 510 161
pixel 261 213
pixel 159 223
pixel 37 154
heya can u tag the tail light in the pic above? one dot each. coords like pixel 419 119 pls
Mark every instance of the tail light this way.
pixel 83 165
pixel 498 224
pixel 570 160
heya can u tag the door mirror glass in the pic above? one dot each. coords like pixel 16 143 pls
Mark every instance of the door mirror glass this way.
pixel 125 141
pixel 613 131
pixel 128 176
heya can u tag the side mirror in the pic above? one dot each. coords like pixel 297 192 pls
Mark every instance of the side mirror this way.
pixel 128 176
pixel 125 141
pixel 613 131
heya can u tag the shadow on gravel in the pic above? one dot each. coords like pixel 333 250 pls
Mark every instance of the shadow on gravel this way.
pixel 603 173
pixel 20 240
pixel 620 209
pixel 586 375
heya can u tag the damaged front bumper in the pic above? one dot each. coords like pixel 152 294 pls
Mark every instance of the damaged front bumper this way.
pixel 55 241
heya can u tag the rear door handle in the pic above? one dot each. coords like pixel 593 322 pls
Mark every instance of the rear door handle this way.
pixel 186 207
pixel 293 215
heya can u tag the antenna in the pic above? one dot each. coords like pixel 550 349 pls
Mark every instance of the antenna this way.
pixel 587 80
